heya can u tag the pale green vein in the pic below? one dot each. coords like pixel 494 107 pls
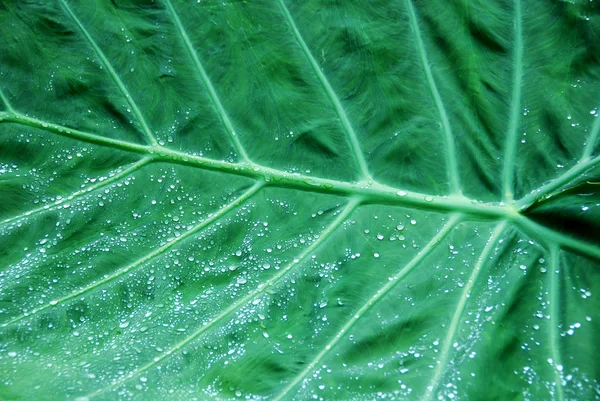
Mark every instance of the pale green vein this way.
pixel 451 164
pixel 207 82
pixel 372 193
pixel 458 313
pixel 554 322
pixel 261 289
pixel 508 170
pixel 113 74
pixel 550 237
pixel 333 97
pixel 382 292
pixel 591 142
pixel 77 194
pixel 547 189
pixel 146 258
pixel 4 99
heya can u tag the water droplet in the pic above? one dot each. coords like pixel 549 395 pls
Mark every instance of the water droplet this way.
pixel 401 193
pixel 429 199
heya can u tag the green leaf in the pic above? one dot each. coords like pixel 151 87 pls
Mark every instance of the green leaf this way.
pixel 291 200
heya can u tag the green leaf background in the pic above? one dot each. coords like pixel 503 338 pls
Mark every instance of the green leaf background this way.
pixel 294 200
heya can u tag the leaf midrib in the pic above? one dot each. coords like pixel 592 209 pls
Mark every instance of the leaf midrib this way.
pixel 369 192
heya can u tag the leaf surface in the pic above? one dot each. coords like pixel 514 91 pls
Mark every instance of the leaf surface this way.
pixel 299 200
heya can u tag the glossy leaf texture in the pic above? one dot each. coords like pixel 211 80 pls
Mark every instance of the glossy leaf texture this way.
pixel 292 200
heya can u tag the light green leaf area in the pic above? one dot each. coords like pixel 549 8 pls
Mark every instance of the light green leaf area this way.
pixel 295 200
